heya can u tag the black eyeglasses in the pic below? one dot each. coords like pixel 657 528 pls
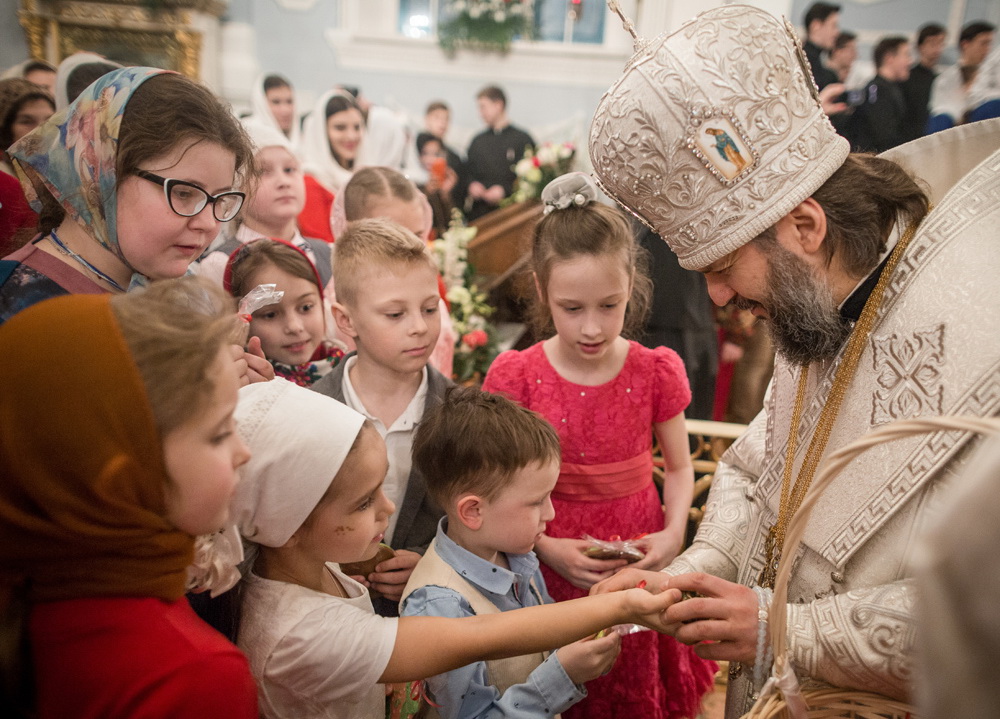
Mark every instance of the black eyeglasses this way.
pixel 187 199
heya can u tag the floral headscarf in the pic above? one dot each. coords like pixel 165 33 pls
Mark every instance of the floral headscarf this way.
pixel 75 151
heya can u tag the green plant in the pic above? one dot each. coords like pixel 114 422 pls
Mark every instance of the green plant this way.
pixel 484 25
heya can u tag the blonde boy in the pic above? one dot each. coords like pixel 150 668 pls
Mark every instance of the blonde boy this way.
pixel 387 302
pixel 492 465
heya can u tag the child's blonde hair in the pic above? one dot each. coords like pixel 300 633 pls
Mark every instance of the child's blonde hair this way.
pixel 475 441
pixel 593 229
pixel 371 183
pixel 174 330
pixel 374 244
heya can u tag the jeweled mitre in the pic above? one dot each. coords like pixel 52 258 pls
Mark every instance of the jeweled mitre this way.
pixel 714 133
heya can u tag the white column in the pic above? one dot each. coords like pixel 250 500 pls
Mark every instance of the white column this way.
pixel 238 66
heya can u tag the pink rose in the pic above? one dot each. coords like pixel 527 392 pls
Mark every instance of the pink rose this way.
pixel 476 338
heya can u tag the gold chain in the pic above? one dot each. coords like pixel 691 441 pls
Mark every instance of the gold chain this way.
pixel 791 497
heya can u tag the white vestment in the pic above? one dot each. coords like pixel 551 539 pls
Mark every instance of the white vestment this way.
pixel 934 350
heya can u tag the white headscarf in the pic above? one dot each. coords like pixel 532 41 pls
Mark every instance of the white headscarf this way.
pixel 266 136
pixel 317 159
pixel 298 440
pixel 66 68
pixel 262 115
pixel 386 139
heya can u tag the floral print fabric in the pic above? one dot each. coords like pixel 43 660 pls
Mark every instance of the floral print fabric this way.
pixel 75 151
pixel 327 356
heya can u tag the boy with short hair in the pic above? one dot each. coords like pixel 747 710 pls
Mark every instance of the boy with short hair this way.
pixel 493 465
pixel 387 302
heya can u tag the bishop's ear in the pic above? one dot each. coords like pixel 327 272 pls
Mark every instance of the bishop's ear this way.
pixel 808 220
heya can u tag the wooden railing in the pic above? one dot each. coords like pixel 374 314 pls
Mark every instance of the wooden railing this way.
pixel 709 441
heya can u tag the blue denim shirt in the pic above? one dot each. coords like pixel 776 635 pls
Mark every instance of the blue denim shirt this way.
pixel 463 693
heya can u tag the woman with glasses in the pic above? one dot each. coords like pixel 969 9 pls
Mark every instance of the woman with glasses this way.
pixel 131 181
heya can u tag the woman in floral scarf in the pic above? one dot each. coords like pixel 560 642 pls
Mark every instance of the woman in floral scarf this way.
pixel 127 192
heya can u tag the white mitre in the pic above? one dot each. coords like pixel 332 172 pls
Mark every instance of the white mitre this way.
pixel 714 133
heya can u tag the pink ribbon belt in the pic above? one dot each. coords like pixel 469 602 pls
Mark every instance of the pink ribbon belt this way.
pixel 597 482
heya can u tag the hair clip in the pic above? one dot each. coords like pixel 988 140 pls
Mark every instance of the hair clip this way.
pixel 573 188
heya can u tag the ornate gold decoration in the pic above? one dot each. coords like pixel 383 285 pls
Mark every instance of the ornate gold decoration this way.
pixel 791 497
pixel 158 33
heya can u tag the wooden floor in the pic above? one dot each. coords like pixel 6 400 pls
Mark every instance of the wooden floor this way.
pixel 713 706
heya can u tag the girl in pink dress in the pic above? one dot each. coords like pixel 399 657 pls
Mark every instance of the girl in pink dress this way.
pixel 607 396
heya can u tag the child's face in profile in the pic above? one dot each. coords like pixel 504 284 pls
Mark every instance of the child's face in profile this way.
pixel 349 527
pixel 394 316
pixel 281 193
pixel 202 456
pixel 291 330
pixel 514 520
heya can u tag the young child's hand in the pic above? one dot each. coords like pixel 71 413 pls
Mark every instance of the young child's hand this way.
pixel 590 658
pixel 647 606
pixel 251 365
pixel 391 576
pixel 567 558
pixel 660 548
pixel 258 368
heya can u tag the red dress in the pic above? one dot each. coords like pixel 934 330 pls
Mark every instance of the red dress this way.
pixel 135 657
pixel 655 677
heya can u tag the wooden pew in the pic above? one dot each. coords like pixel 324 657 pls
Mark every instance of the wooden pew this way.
pixel 501 247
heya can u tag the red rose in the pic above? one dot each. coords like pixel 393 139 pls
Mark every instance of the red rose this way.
pixel 535 161
pixel 476 338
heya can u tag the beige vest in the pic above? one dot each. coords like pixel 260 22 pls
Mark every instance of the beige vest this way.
pixel 500 673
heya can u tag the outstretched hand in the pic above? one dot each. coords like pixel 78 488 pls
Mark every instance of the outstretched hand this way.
pixel 652 609
pixel 654 582
pixel 724 614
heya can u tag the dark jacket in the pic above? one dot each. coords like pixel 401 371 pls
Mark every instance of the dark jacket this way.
pixel 877 124
pixel 917 95
pixel 418 513
pixel 821 73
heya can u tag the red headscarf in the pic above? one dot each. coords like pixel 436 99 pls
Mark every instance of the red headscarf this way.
pixel 82 501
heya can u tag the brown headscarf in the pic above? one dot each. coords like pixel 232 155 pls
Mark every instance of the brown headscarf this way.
pixel 82 500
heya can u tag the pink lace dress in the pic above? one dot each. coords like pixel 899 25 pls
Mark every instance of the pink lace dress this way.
pixel 606 437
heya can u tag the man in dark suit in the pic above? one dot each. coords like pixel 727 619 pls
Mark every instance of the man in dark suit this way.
pixel 877 125
pixel 493 153
pixel 822 23
pixel 917 88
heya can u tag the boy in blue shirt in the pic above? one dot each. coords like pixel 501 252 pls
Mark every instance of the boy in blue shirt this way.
pixel 493 465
